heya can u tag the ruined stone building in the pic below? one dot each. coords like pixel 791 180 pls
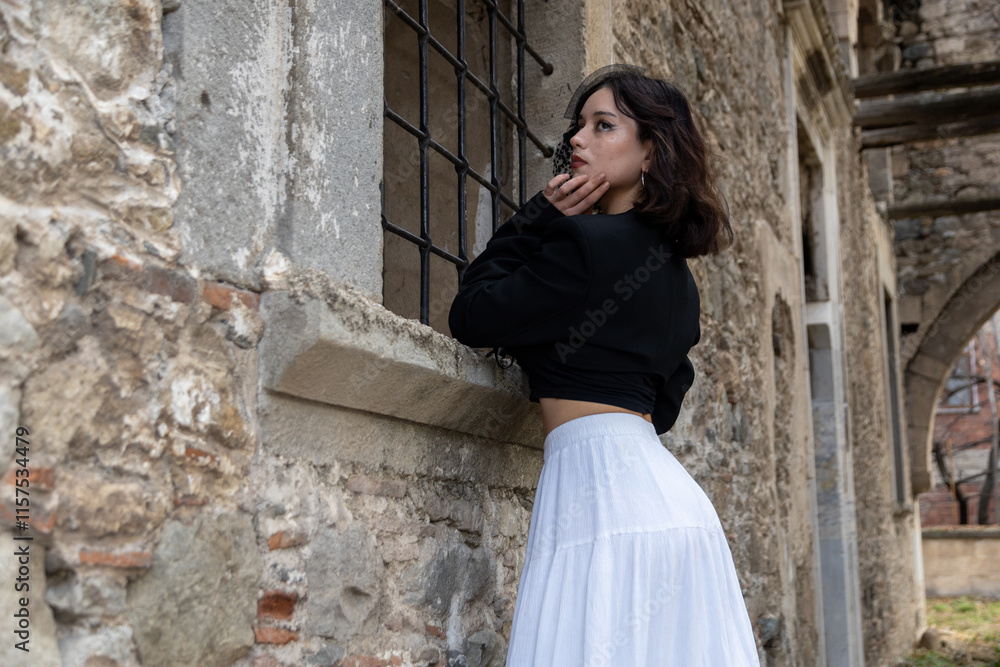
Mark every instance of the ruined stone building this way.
pixel 229 237
pixel 964 429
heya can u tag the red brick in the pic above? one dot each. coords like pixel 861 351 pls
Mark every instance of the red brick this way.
pixel 938 508
pixel 277 604
pixel 126 559
pixel 360 661
pixel 201 456
pixel 369 661
pixel 43 479
pixel 284 539
pixel 376 487
pixel 435 630
pixel 190 500
pixel 156 279
pixel 220 296
pixel 267 635
pixel 37 520
pixel 176 285
pixel 118 267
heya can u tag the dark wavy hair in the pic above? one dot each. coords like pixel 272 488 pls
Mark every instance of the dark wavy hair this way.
pixel 680 190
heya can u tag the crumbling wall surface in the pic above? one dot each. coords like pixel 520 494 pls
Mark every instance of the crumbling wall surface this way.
pixel 133 376
pixel 166 531
pixel 885 530
pixel 948 32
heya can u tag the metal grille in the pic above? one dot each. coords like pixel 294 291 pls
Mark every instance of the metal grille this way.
pixel 425 40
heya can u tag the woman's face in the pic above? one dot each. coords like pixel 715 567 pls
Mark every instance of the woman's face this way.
pixel 608 142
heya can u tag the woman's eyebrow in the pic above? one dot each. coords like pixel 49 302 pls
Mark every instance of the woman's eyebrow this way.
pixel 599 113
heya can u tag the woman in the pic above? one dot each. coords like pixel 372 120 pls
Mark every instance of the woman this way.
pixel 587 286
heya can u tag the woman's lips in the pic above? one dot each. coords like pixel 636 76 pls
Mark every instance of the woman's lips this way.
pixel 576 164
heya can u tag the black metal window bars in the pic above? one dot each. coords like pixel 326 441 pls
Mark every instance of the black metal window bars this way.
pixel 422 133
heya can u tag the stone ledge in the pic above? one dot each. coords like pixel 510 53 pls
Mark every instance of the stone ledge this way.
pixel 333 345
pixel 961 533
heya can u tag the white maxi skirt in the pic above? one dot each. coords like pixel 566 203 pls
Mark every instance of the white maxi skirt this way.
pixel 627 564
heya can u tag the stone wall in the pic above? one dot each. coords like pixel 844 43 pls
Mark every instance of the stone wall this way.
pixel 749 456
pixel 935 255
pixel 948 32
pixel 947 264
pixel 886 536
pixel 170 174
pixel 962 561
pixel 725 436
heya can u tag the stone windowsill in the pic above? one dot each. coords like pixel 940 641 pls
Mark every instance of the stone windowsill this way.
pixel 333 345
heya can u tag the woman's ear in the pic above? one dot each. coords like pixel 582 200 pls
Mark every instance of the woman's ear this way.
pixel 648 159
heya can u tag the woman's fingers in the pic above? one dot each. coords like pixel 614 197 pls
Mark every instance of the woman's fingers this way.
pixel 555 184
pixel 575 195
pixel 588 194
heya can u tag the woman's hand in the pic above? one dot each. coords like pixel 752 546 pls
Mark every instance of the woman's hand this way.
pixel 583 192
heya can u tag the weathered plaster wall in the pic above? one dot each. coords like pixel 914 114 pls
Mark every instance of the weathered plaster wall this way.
pixel 261 89
pixel 134 376
pixel 166 170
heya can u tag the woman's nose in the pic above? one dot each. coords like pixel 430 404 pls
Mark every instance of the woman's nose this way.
pixel 576 141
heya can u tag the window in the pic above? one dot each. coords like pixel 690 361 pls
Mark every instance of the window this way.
pixel 457 141
pixel 960 392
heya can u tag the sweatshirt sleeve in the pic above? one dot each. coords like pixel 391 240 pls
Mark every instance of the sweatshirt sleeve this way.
pixel 518 292
pixel 513 242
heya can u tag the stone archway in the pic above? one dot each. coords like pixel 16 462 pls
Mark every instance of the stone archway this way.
pixel 945 334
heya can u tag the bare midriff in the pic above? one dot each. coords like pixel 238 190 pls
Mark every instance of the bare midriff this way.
pixel 557 411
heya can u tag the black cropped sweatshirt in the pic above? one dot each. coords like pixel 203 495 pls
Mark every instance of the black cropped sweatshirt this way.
pixel 594 308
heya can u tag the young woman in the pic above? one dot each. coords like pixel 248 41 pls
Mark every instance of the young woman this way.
pixel 587 286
